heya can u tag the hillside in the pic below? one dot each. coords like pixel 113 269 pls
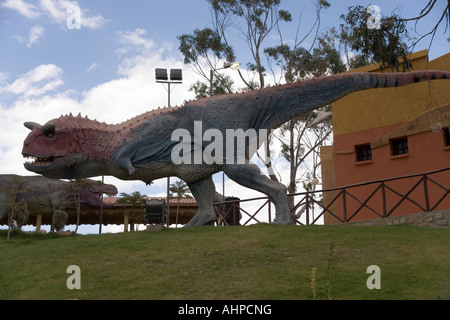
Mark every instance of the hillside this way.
pixel 256 262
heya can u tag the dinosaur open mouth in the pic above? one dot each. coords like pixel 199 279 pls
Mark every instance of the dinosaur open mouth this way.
pixel 53 166
pixel 40 161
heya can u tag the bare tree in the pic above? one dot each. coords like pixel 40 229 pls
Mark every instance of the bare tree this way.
pixel 75 189
pixel 254 21
pixel 424 12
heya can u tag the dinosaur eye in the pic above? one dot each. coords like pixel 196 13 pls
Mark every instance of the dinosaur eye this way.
pixel 48 129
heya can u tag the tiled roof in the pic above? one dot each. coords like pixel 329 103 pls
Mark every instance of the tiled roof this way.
pixel 173 201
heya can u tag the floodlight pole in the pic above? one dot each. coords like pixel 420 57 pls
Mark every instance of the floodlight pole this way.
pixel 165 80
pixel 168 178
pixel 101 207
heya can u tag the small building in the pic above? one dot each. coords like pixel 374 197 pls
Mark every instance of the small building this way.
pixel 390 134
pixel 117 214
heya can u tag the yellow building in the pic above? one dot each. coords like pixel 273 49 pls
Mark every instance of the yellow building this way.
pixel 388 133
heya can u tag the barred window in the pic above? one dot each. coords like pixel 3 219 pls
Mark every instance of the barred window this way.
pixel 399 146
pixel 363 152
pixel 446 137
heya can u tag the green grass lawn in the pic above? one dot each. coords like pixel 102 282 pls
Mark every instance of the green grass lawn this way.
pixel 255 262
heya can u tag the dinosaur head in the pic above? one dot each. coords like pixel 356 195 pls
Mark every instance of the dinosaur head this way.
pixel 61 149
pixel 92 193
pixel 52 151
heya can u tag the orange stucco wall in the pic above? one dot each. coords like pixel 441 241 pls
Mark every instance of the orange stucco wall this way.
pixel 427 152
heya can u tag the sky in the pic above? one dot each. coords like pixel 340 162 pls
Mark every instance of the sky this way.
pixel 103 64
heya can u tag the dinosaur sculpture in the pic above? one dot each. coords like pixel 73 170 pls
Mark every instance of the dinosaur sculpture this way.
pixel 142 148
pixel 47 195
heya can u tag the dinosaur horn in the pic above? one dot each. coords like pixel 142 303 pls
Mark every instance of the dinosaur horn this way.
pixel 32 125
pixel 49 127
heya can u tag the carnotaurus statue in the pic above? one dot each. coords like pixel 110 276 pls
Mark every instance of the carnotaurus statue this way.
pixel 142 148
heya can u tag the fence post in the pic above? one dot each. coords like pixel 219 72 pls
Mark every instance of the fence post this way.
pixel 344 202
pixel 307 208
pixel 383 196
pixel 425 188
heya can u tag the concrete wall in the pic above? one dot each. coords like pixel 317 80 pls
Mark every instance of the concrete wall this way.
pixel 439 219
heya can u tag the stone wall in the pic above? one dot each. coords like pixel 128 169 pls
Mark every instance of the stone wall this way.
pixel 439 219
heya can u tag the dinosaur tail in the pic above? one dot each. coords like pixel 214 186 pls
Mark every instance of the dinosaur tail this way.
pixel 285 102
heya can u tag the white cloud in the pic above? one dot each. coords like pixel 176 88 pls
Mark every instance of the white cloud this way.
pixel 93 67
pixel 36 32
pixel 94 22
pixel 29 108
pixel 133 38
pixel 133 92
pixel 132 41
pixel 36 82
pixel 39 97
pixel 56 10
pixel 24 8
pixel 3 78
pixel 19 38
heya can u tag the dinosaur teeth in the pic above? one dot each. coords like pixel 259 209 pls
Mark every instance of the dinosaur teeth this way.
pixel 36 161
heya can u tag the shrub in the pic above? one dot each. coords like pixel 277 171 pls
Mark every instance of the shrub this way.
pixel 59 220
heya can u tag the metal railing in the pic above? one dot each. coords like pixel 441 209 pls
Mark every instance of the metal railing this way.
pixel 423 192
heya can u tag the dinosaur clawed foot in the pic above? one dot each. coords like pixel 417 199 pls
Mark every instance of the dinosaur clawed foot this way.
pixel 282 220
pixel 201 220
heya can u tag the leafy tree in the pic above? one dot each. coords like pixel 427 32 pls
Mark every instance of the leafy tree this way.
pixel 135 200
pixel 392 40
pixel 20 213
pixel 13 188
pixel 181 190
pixel 75 189
pixel 301 138
pixel 203 49
pixel 384 44
pixel 59 200
pixel 255 20
pixel 295 61
pixel 260 19
pixel 220 85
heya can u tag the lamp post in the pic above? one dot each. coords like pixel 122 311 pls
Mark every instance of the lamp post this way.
pixel 226 65
pixel 176 77
pixel 101 207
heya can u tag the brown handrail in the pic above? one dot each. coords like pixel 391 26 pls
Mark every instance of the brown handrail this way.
pixel 343 193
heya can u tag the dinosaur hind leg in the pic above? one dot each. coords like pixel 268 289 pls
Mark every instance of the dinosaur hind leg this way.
pixel 249 175
pixel 204 192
